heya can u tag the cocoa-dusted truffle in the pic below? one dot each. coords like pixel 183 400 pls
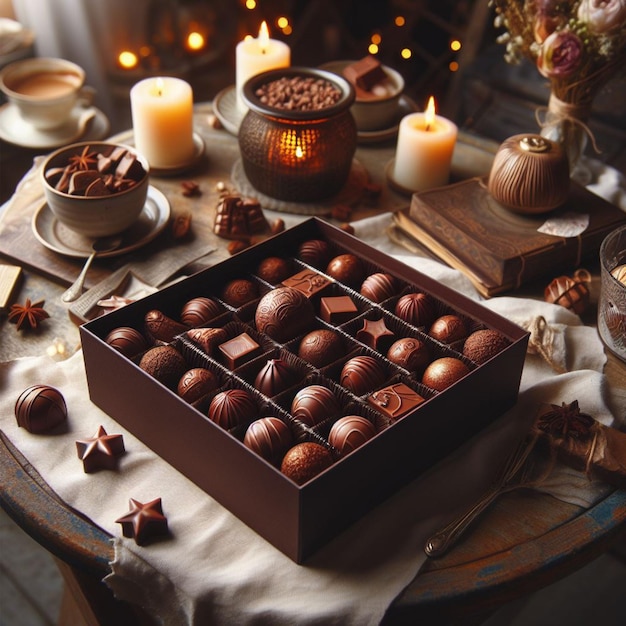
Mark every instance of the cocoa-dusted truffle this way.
pixel 165 364
pixel 448 329
pixel 232 407
pixel 161 327
pixel 395 401
pixel 270 438
pixel 275 376
pixel 313 404
pixel 199 311
pixel 321 347
pixel 350 432
pixel 347 269
pixel 129 341
pixel 379 286
pixel 239 291
pixel 361 374
pixel 315 252
pixel 207 338
pixel 101 451
pixel 375 334
pixel 274 269
pixel 144 521
pixel 305 461
pixel 284 313
pixel 443 372
pixel 417 308
pixel 40 408
pixel 481 345
pixel 238 350
pixel 410 353
pixel 196 383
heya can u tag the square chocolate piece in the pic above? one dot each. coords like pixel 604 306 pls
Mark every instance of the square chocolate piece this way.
pixel 365 73
pixel 337 309
pixel 395 401
pixel 239 350
pixel 308 282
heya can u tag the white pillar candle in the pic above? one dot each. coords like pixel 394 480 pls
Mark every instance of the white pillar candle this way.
pixel 162 114
pixel 424 152
pixel 254 56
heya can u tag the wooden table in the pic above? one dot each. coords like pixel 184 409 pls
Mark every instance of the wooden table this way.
pixel 525 541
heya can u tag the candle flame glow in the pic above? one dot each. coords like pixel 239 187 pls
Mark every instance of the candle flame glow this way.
pixel 299 152
pixel 159 86
pixel 264 37
pixel 429 114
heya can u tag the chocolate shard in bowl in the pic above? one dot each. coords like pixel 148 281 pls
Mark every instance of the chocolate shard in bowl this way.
pixel 365 73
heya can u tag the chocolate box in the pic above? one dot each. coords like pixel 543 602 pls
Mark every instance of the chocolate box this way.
pixel 298 519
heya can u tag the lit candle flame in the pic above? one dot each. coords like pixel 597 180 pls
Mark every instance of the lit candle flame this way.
pixel 299 152
pixel 264 37
pixel 159 86
pixel 429 114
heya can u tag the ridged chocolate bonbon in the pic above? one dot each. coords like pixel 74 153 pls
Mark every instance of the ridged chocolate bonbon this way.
pixel 416 308
pixel 315 252
pixel 275 376
pixel 232 407
pixel 350 432
pixel 199 311
pixel 128 341
pixel 270 438
pixel 284 313
pixel 361 374
pixel 40 408
pixel 314 404
pixel 379 286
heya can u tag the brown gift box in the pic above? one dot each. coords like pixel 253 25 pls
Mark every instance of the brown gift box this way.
pixel 299 519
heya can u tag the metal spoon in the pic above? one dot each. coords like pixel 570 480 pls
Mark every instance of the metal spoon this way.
pixel 103 244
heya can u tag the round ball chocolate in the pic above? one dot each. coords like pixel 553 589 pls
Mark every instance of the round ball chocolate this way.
pixel 347 269
pixel 448 329
pixel 269 437
pixel 321 347
pixel 443 372
pixel 410 353
pixel 197 383
pixel 313 404
pixel 305 461
pixel 350 432
pixel 40 408
pixel 275 376
pixel 231 408
pixel 315 252
pixel 379 286
pixel 482 345
pixel 199 311
pixel 361 374
pixel 284 313
pixel 129 341
pixel 274 269
pixel 165 364
pixel 239 291
pixel 417 308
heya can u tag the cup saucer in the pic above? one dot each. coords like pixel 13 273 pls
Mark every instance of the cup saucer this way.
pixel 87 124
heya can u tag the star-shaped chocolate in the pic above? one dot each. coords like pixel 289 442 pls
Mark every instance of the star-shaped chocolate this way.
pixel 144 521
pixel 100 451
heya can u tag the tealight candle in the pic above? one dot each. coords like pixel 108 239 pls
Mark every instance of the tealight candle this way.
pixel 254 56
pixel 162 114
pixel 424 152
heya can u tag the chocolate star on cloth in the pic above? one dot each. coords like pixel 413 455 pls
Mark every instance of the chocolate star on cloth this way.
pixel 144 521
pixel 100 451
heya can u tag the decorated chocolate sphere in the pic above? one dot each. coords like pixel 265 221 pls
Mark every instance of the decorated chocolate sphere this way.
pixel 416 308
pixel 361 374
pixel 321 347
pixel 379 286
pixel 350 432
pixel 275 376
pixel 199 311
pixel 284 313
pixel 314 404
pixel 239 291
pixel 315 252
pixel 232 407
pixel 40 408
pixel 196 383
pixel 129 341
pixel 274 269
pixel 410 353
pixel 443 372
pixel 448 329
pixel 481 345
pixel 305 461
pixel 269 437
pixel 347 269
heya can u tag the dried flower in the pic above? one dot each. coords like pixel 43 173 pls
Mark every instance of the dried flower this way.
pixel 602 16
pixel 560 54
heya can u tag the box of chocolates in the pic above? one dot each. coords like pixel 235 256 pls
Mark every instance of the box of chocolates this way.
pixel 304 380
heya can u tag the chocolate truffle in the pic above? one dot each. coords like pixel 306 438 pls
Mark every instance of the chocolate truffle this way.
pixel 232 407
pixel 305 461
pixel 161 327
pixel 144 521
pixel 395 401
pixel 274 269
pixel 207 338
pixel 321 347
pixel 416 308
pixel 443 372
pixel 379 286
pixel 448 329
pixel 309 282
pixel 337 309
pixel 375 334
pixel 361 374
pixel 410 353
pixel 347 269
pixel 101 451
pixel 284 313
pixel 199 311
pixel 129 341
pixel 165 364
pixel 239 291
pixel 40 408
pixel 481 345
pixel 239 350
pixel 275 376
pixel 196 383
pixel 315 252
pixel 313 404
pixel 350 432
pixel 270 438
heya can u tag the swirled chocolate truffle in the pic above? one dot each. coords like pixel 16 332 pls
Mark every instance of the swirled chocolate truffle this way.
pixel 40 408
pixel 481 345
pixel 232 407
pixel 361 374
pixel 347 269
pixel 274 269
pixel 350 432
pixel 416 308
pixel 305 461
pixel 161 327
pixel 448 329
pixel 443 372
pixel 207 338
pixel 284 313
pixel 270 438
pixel 199 311
pixel 410 353
pixel 321 347
pixel 379 286
pixel 196 383
pixel 315 252
pixel 313 404
pixel 129 341
pixel 165 364
pixel 239 291
pixel 275 376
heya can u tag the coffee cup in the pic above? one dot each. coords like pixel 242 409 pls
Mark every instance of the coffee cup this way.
pixel 45 90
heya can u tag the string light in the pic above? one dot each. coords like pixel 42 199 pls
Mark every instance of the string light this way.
pixel 195 41
pixel 455 45
pixel 400 21
pixel 376 39
pixel 251 4
pixel 406 53
pixel 454 66
pixel 127 59
pixel 372 48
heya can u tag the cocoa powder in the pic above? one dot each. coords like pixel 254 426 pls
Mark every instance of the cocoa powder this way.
pixel 299 93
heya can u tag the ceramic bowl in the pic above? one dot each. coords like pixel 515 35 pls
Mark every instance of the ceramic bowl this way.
pixel 97 215
pixel 373 113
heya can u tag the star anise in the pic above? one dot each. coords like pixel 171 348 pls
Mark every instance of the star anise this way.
pixel 27 315
pixel 84 160
pixel 566 421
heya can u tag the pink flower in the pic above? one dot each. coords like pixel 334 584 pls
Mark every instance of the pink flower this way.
pixel 602 16
pixel 560 54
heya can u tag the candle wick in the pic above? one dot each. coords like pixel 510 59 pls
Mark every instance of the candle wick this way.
pixel 427 126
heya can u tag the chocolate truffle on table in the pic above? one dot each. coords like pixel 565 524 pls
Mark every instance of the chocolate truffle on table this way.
pixel 347 269
pixel 199 311
pixel 284 313
pixel 375 334
pixel 239 291
pixel 321 347
pixel 269 437
pixel 314 404
pixel 274 269
pixel 481 345
pixel 416 308
pixel 443 372
pixel 207 338
pixel 379 286
pixel 161 327
pixel 239 350
pixel 40 408
pixel 410 353
pixel 165 364
pixel 337 309
pixel 275 376
pixel 350 432
pixel 315 252
pixel 129 341
pixel 396 400
pixel 305 461
pixel 197 383
pixel 232 407
pixel 448 329
pixel 361 374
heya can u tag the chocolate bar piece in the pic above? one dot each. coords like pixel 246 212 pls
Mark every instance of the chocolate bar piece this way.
pixel 395 401
pixel 308 282
pixel 365 73
pixel 239 350
pixel 337 309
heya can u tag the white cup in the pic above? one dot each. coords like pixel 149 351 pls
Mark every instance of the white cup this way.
pixel 45 90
